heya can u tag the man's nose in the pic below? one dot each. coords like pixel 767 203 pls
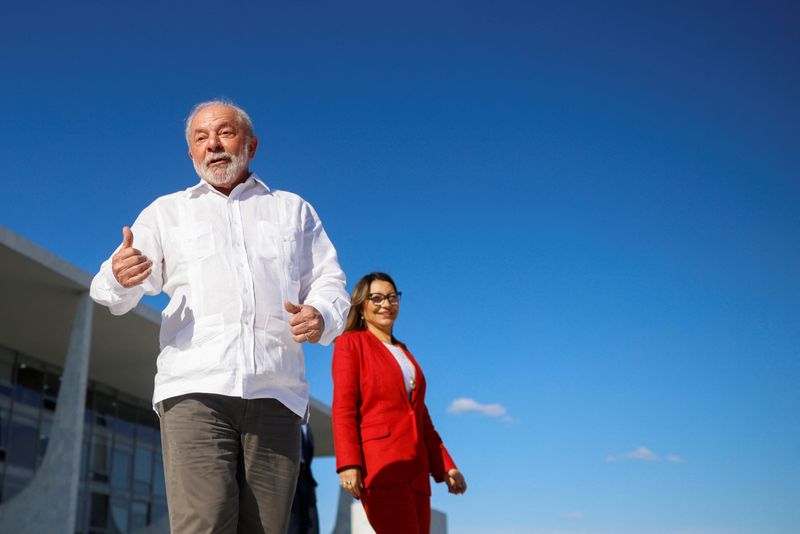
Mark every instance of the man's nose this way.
pixel 213 143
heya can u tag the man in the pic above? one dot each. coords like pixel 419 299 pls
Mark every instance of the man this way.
pixel 251 276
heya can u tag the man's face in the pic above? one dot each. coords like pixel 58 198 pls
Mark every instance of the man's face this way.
pixel 218 146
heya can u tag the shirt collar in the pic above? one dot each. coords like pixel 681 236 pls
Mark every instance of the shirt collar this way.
pixel 252 180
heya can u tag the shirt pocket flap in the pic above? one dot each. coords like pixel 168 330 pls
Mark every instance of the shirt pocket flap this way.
pixel 268 229
pixel 374 431
pixel 195 241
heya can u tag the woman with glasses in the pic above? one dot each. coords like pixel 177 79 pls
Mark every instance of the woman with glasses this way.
pixel 386 445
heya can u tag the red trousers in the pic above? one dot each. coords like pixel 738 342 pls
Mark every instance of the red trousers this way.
pixel 397 509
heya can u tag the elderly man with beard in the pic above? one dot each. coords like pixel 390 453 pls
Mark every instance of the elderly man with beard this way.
pixel 251 275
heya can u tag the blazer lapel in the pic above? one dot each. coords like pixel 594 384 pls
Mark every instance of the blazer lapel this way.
pixel 389 360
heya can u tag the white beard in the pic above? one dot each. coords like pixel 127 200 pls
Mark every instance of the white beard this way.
pixel 227 174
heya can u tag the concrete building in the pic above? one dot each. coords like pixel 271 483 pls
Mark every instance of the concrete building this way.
pixel 80 450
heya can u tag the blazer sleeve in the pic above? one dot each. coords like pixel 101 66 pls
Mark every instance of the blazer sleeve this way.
pixel 346 401
pixel 439 459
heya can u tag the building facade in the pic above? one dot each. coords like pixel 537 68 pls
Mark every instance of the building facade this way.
pixel 121 479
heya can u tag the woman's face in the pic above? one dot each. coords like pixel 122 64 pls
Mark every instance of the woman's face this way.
pixel 383 315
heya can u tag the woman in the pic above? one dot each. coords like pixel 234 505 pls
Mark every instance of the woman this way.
pixel 386 445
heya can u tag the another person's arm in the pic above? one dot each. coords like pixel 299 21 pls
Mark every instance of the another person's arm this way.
pixel 443 468
pixel 346 399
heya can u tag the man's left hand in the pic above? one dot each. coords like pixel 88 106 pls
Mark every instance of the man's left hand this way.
pixel 306 322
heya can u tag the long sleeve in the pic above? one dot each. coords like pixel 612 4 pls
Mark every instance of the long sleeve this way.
pixel 105 289
pixel 322 281
pixel 439 459
pixel 346 400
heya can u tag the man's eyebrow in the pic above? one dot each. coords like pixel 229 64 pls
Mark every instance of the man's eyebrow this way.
pixel 226 124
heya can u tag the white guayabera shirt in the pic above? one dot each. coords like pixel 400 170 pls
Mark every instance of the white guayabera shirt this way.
pixel 228 264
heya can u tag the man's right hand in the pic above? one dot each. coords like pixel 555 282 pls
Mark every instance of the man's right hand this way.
pixel 129 265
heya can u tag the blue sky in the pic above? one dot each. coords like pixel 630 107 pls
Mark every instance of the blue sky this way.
pixel 592 213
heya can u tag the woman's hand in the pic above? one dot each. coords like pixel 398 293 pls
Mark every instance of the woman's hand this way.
pixel 350 480
pixel 455 482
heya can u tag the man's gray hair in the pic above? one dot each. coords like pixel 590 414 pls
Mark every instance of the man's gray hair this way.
pixel 244 119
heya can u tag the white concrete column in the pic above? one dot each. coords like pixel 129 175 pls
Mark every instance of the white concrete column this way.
pixel 49 502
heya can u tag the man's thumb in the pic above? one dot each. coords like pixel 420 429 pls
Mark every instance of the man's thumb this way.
pixel 127 237
pixel 292 308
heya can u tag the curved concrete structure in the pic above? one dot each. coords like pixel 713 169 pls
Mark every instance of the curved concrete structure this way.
pixel 50 501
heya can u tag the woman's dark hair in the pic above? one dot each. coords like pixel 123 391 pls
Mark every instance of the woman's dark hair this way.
pixel 355 319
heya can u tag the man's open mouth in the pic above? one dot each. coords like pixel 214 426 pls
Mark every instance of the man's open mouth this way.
pixel 214 162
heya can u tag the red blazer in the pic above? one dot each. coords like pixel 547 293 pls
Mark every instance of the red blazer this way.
pixel 375 426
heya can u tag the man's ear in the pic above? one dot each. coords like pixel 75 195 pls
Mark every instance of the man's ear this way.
pixel 253 141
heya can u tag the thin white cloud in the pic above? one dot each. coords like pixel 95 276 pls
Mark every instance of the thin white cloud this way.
pixel 574 516
pixel 642 454
pixel 465 405
pixel 675 459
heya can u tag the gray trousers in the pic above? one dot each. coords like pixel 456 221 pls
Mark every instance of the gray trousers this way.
pixel 230 464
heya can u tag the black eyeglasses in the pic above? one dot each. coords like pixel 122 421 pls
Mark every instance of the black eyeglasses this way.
pixel 378 298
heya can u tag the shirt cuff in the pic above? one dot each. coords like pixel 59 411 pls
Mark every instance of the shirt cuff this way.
pixel 330 330
pixel 113 284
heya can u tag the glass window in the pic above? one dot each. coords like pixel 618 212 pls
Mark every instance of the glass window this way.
pixel 52 383
pixel 104 409
pixel 29 385
pixel 22 444
pixel 145 434
pixel 101 456
pixel 125 424
pixel 119 513
pixel 158 510
pixel 159 488
pixel 138 515
pixel 144 464
pixel 98 516
pixel 121 469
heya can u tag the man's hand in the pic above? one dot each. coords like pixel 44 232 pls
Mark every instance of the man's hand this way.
pixel 306 322
pixel 130 267
pixel 455 482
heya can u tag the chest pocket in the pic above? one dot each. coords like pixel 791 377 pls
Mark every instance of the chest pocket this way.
pixel 194 241
pixel 280 244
